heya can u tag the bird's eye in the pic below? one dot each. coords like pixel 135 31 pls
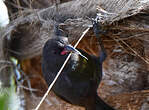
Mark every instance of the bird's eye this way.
pixel 60 44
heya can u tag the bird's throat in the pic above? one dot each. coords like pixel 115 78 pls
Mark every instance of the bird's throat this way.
pixel 64 52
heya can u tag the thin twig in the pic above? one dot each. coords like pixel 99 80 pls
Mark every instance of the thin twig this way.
pixel 145 60
pixel 26 88
pixel 20 11
pixel 50 87
pixel 131 29
pixel 6 62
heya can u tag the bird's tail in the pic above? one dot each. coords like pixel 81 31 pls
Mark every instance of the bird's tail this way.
pixel 101 105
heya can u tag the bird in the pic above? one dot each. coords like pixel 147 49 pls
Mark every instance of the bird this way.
pixel 81 76
pixel 4 17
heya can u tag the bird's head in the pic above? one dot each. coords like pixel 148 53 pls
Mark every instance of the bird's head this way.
pixel 57 46
pixel 60 47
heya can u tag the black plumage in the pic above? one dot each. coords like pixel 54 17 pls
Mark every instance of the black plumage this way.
pixel 80 78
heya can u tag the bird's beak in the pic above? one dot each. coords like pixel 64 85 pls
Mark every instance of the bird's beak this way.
pixel 70 48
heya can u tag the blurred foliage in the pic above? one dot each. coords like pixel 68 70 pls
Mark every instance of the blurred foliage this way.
pixel 8 96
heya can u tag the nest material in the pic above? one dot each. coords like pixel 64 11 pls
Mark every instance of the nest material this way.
pixel 38 24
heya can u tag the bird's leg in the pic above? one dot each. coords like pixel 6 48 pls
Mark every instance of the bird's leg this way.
pixel 97 31
pixel 103 54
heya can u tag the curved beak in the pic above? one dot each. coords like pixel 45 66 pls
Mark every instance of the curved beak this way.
pixel 70 48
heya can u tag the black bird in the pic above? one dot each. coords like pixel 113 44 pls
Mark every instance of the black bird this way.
pixel 81 76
